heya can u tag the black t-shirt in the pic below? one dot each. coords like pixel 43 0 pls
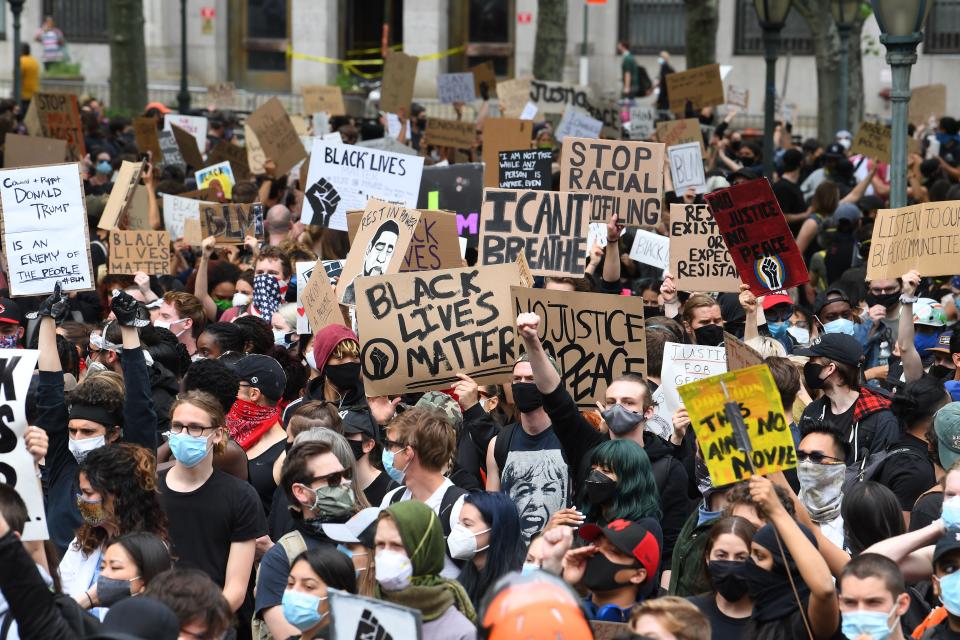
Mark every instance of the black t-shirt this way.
pixel 203 523
pixel 909 472
pixel 927 509
pixel 535 476
pixel 790 196
pixel 379 488
pixel 941 632
pixel 722 626
pixel 260 472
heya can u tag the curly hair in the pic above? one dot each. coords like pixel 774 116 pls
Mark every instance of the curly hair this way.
pixel 127 473
pixel 257 334
pixel 296 372
pixel 229 336
pixel 103 389
pixel 213 377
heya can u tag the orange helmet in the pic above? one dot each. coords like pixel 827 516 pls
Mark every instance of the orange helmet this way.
pixel 534 607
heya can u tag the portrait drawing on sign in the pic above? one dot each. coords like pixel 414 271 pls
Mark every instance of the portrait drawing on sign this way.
pixel 536 481
pixel 376 257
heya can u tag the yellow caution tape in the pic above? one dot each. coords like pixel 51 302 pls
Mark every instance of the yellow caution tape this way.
pixel 351 65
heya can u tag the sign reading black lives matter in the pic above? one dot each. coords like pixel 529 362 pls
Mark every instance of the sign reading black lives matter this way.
pixel 43 211
pixel 622 177
pixel 421 328
pixel 526 169
pixel 549 228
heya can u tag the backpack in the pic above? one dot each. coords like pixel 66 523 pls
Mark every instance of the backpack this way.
pixel 450 497
pixel 869 467
pixel 293 545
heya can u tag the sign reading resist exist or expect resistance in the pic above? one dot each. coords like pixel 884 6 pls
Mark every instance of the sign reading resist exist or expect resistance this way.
pixel 699 260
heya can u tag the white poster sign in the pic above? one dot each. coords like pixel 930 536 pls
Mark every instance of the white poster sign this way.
pixel 194 125
pixel 578 124
pixel 683 363
pixel 353 616
pixel 643 122
pixel 176 210
pixel 304 271
pixel 686 167
pixel 651 248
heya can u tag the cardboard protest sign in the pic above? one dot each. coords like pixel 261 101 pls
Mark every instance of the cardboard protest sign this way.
pixel 399 73
pixel 484 79
pixel 31 151
pixel 132 251
pixel 44 223
pixel 170 151
pixel 342 177
pixel 928 100
pixel 526 169
pixel 255 154
pixel 276 135
pixel 548 228
pixel 455 87
pixel 674 132
pixel 651 248
pixel 643 121
pixel 622 177
pixel 873 141
pixel 738 97
pixel 379 247
pixel 684 363
pixel 353 616
pixel 16 464
pixel 328 99
pixel 451 133
pixel 925 237
pixel 148 140
pixel 176 209
pixel 553 97
pixel 739 354
pixel 594 337
pixel 686 167
pixel 699 260
pixel 757 235
pixel 502 134
pixel 59 117
pixel 433 245
pixel 770 442
pixel 230 223
pixel 221 172
pixel 235 155
pixel 121 195
pixel 138 213
pixel 319 300
pixel 303 271
pixel 196 126
pixel 577 124
pixel 513 95
pixel 457 188
pixel 188 147
pixel 221 94
pixel 421 329
pixel 701 86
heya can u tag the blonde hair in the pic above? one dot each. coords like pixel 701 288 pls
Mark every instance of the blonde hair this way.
pixel 767 347
pixel 676 615
pixel 697 301
pixel 348 348
pixel 209 405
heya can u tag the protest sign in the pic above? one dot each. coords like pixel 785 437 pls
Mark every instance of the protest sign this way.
pixel 121 195
pixel 221 94
pixel 553 97
pixel 622 177
pixel 230 223
pixel 455 87
pixel 145 132
pixel 597 235
pixel 188 147
pixel 221 172
pixel 502 134
pixel 873 141
pixel 342 177
pixel 328 99
pixel 738 97
pixel 399 73
pixel 421 329
pixel 757 235
pixel 642 122
pixel 31 120
pixel 176 209
pixel 276 135
pixel 303 270
pixel 138 213
pixel 31 151
pixel 457 188
pixel 319 300
pixel 433 245
pixel 235 155
pixel 44 222
pixel 577 124
pixel 925 237
pixel 513 95
pixel 379 247
pixel 196 126
pixel 766 428
pixel 928 100
pixel 133 251
pixel 739 354
pixel 699 260
pixel 684 363
pixel 451 133
pixel 674 132
pixel 529 111
pixel 170 151
pixel 386 144
pixel 651 248
pixel 320 121
pixel 16 464
pixel 526 169
pixel 59 117
pixel 255 155
pixel 702 86
pixel 594 337
pixel 548 228
pixel 484 74
pixel 353 616
pixel 686 167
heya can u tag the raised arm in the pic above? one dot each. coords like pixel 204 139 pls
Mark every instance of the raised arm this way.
pixel 153 207
pixel 913 551
pixel 200 283
pixel 911 359
pixel 749 303
pixel 544 374
pixel 611 264
pixel 139 415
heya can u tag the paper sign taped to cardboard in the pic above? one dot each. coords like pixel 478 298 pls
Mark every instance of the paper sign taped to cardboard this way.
pixel 699 259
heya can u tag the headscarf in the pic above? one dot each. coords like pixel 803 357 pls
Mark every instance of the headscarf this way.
pixel 772 596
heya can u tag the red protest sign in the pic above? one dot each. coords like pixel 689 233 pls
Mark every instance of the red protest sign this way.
pixel 757 236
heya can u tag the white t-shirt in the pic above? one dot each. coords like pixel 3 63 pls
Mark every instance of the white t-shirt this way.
pixel 79 572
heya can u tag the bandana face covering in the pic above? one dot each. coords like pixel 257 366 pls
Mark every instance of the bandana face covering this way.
pixel 266 295
pixel 820 486
pixel 248 422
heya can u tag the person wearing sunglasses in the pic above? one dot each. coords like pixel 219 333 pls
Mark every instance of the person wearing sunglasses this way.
pixel 821 469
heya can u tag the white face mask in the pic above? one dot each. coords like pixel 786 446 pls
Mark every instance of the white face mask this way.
pixel 462 542
pixel 163 324
pixel 280 337
pixel 394 570
pixel 311 360
pixel 240 300
pixel 800 334
pixel 80 448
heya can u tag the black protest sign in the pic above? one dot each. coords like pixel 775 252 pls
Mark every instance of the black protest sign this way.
pixel 171 152
pixel 594 337
pixel 457 188
pixel 230 223
pixel 526 169
pixel 548 228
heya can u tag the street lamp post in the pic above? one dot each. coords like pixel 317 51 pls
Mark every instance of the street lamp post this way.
pixel 16 7
pixel 844 13
pixel 183 96
pixel 772 15
pixel 901 30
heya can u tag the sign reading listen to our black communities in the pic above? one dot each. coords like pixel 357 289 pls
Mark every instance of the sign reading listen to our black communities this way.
pixel 548 227
pixel 526 169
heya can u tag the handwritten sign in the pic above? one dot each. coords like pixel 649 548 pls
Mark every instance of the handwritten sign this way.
pixel 643 120
pixel 421 329
pixel 145 131
pixel 255 155
pixel 230 223
pixel 757 235
pixel 433 245
pixel 319 300
pixel 59 117
pixel 925 237
pixel 221 94
pixel 455 87
pixel 553 97
pixel 651 248
pixel 739 354
pixel 502 134
pixel 234 155
pixel 133 251
pixel 30 151
pixel 771 444
pixel 576 123
pixel 16 464
pixel 399 73
pixel 699 260
pixel 738 97
pixel 682 364
pixel 170 151
pixel 221 172
pixel 121 195
pixel 686 167
pixel 276 135
pixel 674 132
pixel 450 133
pixel 926 101
pixel 548 228
pixel 329 99
pixel 623 178
pixel 196 126
pixel 513 96
pixel 176 209
pixel 45 235
pixel 701 86
pixel 484 79
pixel 594 337
pixel 873 141
pixel 188 146
pixel 526 169
pixel 457 188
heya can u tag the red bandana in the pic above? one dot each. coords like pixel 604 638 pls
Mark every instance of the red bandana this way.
pixel 248 422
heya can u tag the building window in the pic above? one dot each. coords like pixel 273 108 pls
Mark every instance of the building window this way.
pixel 795 37
pixel 651 26
pixel 942 34
pixel 79 21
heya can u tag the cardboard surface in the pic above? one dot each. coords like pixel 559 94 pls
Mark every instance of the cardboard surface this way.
pixel 484 73
pixel 513 96
pixel 170 150
pixel 196 126
pixel 433 245
pixel 502 134
pixel 925 237
pixel 451 133
pixel 133 251
pixel 739 354
pixel 399 74
pixel 31 151
pixel 235 155
pixel 925 101
pixel 873 141
pixel 674 132
pixel 148 140
pixel 328 99
pixel 553 97
pixel 320 301
pixel 128 177
pixel 702 86
pixel 188 147
pixel 230 223
pixel 221 173
pixel 699 259
pixel 276 135
pixel 59 117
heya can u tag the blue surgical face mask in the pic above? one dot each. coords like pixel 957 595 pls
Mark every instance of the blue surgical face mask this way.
pixel 840 325
pixel 924 341
pixel 950 592
pixel 104 167
pixel 395 474
pixel 188 450
pixel 873 624
pixel 302 609
pixel 951 513
pixel 529 568
pixel 778 329
pixel 801 335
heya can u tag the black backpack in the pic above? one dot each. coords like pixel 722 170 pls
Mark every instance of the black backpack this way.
pixel 870 466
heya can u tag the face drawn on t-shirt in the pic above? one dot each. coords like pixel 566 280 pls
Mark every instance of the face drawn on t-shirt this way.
pixel 536 481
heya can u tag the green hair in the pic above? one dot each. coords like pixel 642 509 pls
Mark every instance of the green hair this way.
pixel 637 494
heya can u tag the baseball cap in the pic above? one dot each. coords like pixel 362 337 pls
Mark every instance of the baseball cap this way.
pixel 742 174
pixel 444 403
pixel 631 538
pixel 927 311
pixel 159 106
pixel 835 150
pixel 946 424
pixel 870 203
pixel 838 347
pixel 943 343
pixel 359 529
pixel 950 541
pixel 847 211
pixel 10 311
pixel 829 297
pixel 715 183
pixel 774 299
pixel 358 422
pixel 263 373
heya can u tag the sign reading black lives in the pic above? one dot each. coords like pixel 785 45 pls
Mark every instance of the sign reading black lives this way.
pixel 421 328
pixel 526 169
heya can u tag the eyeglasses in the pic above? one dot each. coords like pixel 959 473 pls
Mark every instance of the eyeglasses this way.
pixel 334 479
pixel 392 445
pixel 192 429
pixel 817 457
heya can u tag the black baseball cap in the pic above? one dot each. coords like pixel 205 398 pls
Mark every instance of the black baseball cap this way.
pixel 263 373
pixel 835 150
pixel 829 297
pixel 742 174
pixel 358 422
pixel 10 312
pixel 838 347
pixel 950 541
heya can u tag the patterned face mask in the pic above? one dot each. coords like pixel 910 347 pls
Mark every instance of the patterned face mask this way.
pixel 266 295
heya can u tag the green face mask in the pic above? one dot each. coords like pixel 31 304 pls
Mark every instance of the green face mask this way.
pixel 223 305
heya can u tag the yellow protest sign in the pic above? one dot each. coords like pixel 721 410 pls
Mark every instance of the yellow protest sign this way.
pixel 756 394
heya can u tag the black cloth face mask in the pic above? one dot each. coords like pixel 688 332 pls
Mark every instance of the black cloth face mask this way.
pixel 526 396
